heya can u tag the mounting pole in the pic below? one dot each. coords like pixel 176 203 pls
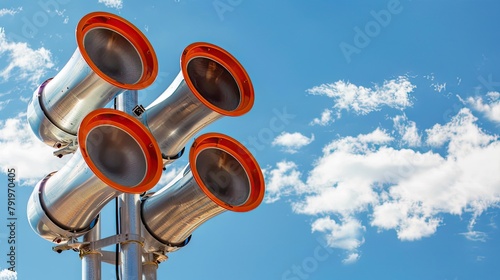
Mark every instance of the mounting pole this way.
pixel 149 267
pixel 91 259
pixel 129 205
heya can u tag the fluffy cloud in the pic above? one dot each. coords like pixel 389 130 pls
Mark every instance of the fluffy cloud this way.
pixel 394 93
pixel 490 108
pixel 20 149
pixel 8 275
pixel 325 119
pixel 407 130
pixel 116 4
pixel 461 133
pixel 23 62
pixel 282 180
pixel 403 190
pixel 347 235
pixel 292 142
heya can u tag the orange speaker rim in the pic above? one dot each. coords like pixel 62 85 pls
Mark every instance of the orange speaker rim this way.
pixel 245 158
pixel 133 35
pixel 221 56
pixel 141 135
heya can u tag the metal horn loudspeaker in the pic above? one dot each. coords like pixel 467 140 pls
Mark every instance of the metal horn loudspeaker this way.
pixel 210 85
pixel 221 175
pixel 116 154
pixel 112 56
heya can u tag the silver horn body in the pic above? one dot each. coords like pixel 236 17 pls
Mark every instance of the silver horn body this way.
pixel 116 155
pixel 112 56
pixel 221 175
pixel 210 85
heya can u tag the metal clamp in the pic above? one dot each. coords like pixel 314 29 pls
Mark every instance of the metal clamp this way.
pixel 68 149
pixel 101 243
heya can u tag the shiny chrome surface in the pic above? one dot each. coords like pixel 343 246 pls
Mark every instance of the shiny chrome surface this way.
pixel 173 213
pixel 210 85
pixel 43 127
pixel 73 93
pixel 41 223
pixel 73 197
pixel 112 56
pixel 129 205
pixel 176 116
pixel 221 175
pixel 149 267
pixel 91 259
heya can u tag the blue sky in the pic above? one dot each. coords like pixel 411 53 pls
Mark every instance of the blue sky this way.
pixel 375 124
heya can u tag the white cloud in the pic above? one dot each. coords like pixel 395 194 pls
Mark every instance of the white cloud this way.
pixel 292 142
pixel 346 96
pixel 461 134
pixel 490 108
pixel 8 275
pixel 347 235
pixel 283 180
pixel 117 4
pixel 415 228
pixel 351 258
pixel 403 190
pixel 325 119
pixel 407 130
pixel 10 12
pixel 20 149
pixel 23 62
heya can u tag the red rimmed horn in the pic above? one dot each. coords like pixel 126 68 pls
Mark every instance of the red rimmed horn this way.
pixel 117 154
pixel 211 84
pixel 112 56
pixel 221 175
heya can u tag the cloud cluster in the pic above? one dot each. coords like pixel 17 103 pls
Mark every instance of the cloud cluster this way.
pixel 23 62
pixel 402 189
pixel 361 100
pixel 325 119
pixel 490 107
pixel 20 149
pixel 284 179
pixel 292 142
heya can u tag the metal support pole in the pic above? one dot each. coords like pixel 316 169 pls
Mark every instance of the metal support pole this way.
pixel 149 267
pixel 129 205
pixel 91 260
